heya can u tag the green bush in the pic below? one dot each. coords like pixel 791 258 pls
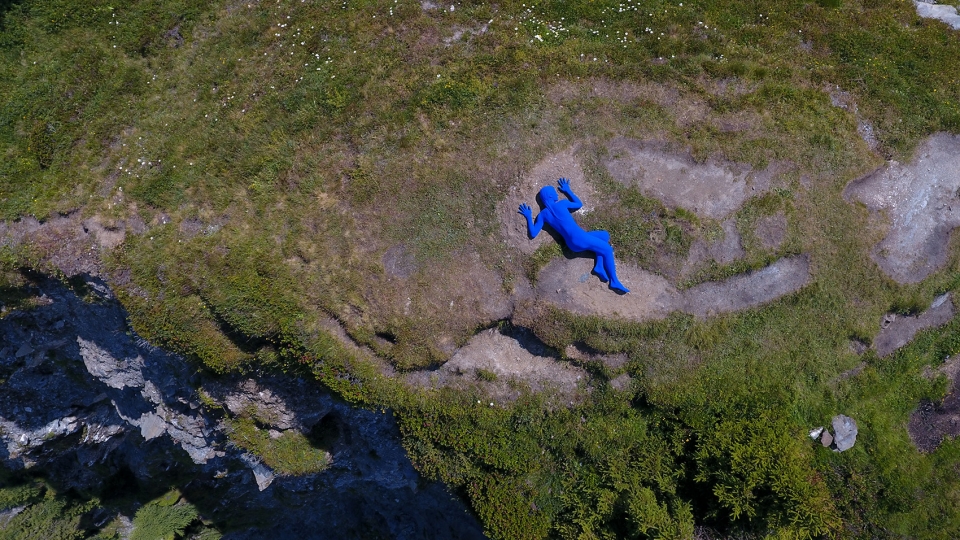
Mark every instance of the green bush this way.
pixel 163 519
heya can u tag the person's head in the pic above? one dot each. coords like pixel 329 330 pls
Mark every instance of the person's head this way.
pixel 548 195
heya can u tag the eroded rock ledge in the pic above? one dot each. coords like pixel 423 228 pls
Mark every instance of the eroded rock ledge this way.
pixel 84 400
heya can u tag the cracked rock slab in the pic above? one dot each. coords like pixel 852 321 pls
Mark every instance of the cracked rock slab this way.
pixel 653 297
pixel 922 202
pixel 562 283
pixel 507 358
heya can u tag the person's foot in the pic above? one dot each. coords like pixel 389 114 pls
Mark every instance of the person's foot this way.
pixel 617 286
pixel 600 272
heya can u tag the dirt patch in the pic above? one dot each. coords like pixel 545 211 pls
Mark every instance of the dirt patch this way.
pixel 68 242
pixel 713 189
pixel 496 363
pixel 399 262
pixel 771 231
pixel 933 422
pixel 61 241
pixel 783 277
pixel 545 173
pixel 108 236
pixel 899 330
pixel 724 250
pixel 921 200
pixel 448 302
pixel 568 283
pixel 622 383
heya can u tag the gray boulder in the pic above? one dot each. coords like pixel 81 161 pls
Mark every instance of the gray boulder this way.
pixel 845 432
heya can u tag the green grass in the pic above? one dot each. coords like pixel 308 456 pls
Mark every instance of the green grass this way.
pixel 277 159
pixel 292 453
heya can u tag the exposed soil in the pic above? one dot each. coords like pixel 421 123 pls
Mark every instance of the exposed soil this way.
pixel 69 243
pixel 545 173
pixel 921 199
pixel 569 284
pixel 713 189
pixel 899 330
pixel 399 262
pixel 932 422
pixel 496 362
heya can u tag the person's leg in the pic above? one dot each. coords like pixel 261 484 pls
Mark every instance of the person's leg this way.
pixel 604 252
pixel 611 270
pixel 602 235
pixel 599 270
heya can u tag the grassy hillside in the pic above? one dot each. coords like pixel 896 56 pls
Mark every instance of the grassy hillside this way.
pixel 274 152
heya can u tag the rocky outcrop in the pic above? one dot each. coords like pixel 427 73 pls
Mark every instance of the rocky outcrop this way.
pixel 84 402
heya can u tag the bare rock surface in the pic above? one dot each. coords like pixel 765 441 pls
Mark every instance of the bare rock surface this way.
pixel 783 277
pixel 569 284
pixel 493 360
pixel 713 189
pixel 922 202
pixel 545 173
pixel 941 12
pixel 652 297
pixel 900 330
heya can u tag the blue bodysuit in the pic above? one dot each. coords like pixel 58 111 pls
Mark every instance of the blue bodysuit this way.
pixel 557 215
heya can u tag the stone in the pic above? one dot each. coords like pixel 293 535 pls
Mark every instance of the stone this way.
pixel 152 426
pixel 942 12
pixel 24 350
pixel 826 439
pixel 103 365
pixel 261 473
pixel 815 433
pixel 845 429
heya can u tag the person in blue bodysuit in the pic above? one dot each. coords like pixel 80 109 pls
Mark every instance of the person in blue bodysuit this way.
pixel 557 215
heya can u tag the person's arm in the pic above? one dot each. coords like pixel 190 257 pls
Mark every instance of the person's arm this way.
pixel 575 202
pixel 533 226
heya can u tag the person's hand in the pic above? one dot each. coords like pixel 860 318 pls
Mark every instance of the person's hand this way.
pixel 525 210
pixel 564 185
